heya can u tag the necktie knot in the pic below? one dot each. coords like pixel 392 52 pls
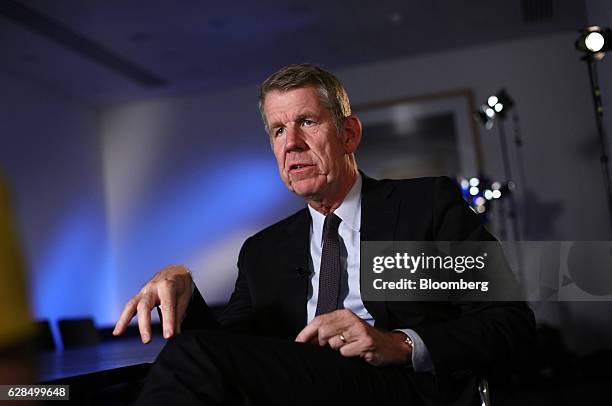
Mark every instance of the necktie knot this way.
pixel 331 224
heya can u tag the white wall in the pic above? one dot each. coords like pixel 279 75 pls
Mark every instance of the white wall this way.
pixel 187 180
pixel 50 153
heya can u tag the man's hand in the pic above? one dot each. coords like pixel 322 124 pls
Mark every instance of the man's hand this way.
pixel 171 289
pixel 360 339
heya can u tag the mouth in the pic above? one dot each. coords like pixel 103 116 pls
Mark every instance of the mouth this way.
pixel 298 166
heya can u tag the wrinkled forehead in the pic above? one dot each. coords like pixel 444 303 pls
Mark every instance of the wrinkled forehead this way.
pixel 286 104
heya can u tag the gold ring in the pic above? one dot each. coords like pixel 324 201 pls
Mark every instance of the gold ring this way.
pixel 342 338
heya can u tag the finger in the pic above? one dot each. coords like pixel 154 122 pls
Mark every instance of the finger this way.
pixel 327 332
pixel 332 327
pixel 353 349
pixel 167 297
pixel 334 322
pixel 356 332
pixel 310 332
pixel 126 315
pixel 364 346
pixel 322 328
pixel 144 316
pixel 336 342
pixel 372 357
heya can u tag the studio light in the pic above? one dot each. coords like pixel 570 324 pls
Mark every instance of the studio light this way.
pixel 496 107
pixel 502 102
pixel 493 113
pixel 480 192
pixel 595 41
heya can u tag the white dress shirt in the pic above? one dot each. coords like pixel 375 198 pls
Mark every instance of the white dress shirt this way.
pixel 350 292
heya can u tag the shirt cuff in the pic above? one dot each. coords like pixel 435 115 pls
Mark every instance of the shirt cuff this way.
pixel 421 360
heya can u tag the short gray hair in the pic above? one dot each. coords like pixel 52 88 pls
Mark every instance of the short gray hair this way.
pixel 332 93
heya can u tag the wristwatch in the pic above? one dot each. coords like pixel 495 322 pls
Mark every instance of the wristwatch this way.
pixel 407 340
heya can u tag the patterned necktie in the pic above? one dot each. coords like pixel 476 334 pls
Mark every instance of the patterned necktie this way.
pixel 329 277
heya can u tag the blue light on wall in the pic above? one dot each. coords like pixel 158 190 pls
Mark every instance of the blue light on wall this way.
pixel 79 276
pixel 70 274
pixel 205 203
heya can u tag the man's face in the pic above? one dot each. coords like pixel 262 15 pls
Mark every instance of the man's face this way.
pixel 312 159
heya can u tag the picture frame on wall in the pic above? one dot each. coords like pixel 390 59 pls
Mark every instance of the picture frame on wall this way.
pixel 426 135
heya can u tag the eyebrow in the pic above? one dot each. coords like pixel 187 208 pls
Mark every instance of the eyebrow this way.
pixel 306 115
pixel 300 117
pixel 273 125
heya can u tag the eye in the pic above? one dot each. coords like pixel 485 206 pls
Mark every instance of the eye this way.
pixel 308 122
pixel 279 131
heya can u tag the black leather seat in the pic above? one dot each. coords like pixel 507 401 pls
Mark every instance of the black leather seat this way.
pixel 78 332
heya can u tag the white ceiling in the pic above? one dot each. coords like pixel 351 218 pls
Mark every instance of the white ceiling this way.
pixel 103 51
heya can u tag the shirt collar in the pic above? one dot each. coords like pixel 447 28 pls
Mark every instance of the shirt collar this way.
pixel 349 210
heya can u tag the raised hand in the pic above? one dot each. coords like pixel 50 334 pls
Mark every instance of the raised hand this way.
pixel 171 290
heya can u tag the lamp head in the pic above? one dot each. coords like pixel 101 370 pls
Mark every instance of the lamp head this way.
pixel 594 41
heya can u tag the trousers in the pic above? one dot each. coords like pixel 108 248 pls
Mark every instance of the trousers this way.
pixel 214 367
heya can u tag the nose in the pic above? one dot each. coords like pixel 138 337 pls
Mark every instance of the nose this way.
pixel 294 139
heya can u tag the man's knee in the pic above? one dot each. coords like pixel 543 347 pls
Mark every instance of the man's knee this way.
pixel 188 345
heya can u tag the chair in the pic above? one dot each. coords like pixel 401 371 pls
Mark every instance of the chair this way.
pixel 78 332
pixel 43 337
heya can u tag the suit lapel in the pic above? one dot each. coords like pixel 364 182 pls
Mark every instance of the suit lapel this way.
pixel 379 210
pixel 297 252
pixel 379 214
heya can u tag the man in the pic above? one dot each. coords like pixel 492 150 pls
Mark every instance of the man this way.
pixel 296 330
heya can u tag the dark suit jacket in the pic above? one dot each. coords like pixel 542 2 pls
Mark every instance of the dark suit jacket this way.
pixel 464 340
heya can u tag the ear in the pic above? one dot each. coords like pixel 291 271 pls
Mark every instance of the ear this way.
pixel 352 134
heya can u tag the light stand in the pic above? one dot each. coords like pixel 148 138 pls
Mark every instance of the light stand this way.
pixel 494 112
pixel 603 144
pixel 595 42
pixel 518 144
pixel 508 174
pixel 491 112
